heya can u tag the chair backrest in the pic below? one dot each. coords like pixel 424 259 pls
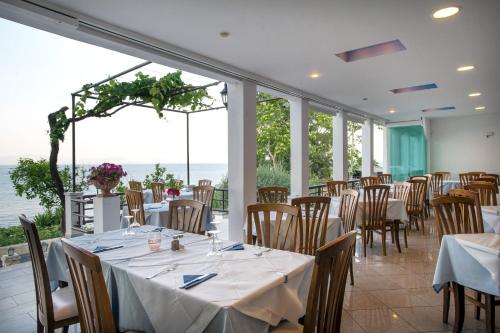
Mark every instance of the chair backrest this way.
pixel 92 298
pixel 40 274
pixel 273 194
pixel 437 184
pixel 313 216
pixel 347 209
pixel 186 215
pixel 375 205
pixel 487 192
pixel 204 194
pixel 369 181
pixel 416 196
pixel 456 215
pixel 287 232
pixel 334 187
pixel 158 190
pixel 135 185
pixel 135 200
pixel 496 175
pixel 326 294
pixel 490 178
pixel 401 191
pixel 385 178
pixel 204 182
pixel 446 174
pixel 460 192
pixel 467 177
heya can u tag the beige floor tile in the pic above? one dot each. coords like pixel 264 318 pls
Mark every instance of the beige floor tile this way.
pixel 381 320
pixel 348 325
pixel 424 318
pixel 361 300
pixel 404 298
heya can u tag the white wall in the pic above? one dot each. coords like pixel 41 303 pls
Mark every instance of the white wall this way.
pixel 458 144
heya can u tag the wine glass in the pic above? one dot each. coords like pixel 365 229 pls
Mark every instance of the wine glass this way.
pixel 128 231
pixel 135 224
pixel 154 240
pixel 215 244
pixel 164 197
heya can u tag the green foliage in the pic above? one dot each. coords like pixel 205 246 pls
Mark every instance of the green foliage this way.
pixel 32 179
pixel 272 176
pixel 47 223
pixel 353 152
pixel 48 218
pixel 320 146
pixel 159 175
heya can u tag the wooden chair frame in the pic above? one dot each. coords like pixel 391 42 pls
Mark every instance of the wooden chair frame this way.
pixel 487 192
pixel 273 194
pixel 467 177
pixel 491 178
pixel 369 181
pixel 335 187
pixel 415 205
pixel 158 190
pixel 374 213
pixel 135 185
pixel 436 182
pixel 186 215
pixel 204 194
pixel 385 178
pixel 135 200
pixel 204 182
pixel 347 212
pixel 401 191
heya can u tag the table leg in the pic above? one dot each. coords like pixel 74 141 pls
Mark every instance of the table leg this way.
pixel 490 313
pixel 459 299
pixel 396 231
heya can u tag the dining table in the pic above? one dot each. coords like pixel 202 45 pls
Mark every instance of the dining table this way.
pixel 252 288
pixel 491 218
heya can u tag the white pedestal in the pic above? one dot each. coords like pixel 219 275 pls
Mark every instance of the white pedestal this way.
pixel 106 214
pixel 69 208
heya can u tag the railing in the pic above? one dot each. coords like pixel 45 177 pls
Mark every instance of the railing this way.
pixel 220 201
pixel 86 203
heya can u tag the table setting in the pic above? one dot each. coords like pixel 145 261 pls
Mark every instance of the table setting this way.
pixel 202 284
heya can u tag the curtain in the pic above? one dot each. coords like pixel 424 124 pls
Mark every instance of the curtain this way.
pixel 407 152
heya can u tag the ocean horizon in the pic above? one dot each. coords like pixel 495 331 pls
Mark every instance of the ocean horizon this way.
pixel 11 206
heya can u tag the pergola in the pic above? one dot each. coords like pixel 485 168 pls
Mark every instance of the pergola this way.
pixel 79 93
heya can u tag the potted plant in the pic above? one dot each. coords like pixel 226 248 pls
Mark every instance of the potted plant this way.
pixel 174 187
pixel 106 177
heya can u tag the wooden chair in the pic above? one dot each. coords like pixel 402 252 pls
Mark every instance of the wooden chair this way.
pixel 436 185
pixel 492 178
pixel 401 191
pixel 313 217
pixel 460 192
pixel 369 181
pixel 204 194
pixel 90 288
pixel 467 177
pixel 385 178
pixel 347 213
pixel 56 309
pixel 204 182
pixel 487 192
pixel 158 190
pixel 415 206
pixel 287 232
pixel 186 215
pixel 334 187
pixel 427 202
pixel 374 213
pixel 273 194
pixel 135 200
pixel 459 215
pixel 326 294
pixel 135 185
pixel 446 174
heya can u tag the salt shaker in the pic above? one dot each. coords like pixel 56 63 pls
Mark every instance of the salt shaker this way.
pixel 175 245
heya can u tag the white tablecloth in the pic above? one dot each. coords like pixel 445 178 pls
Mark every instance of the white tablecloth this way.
pixel 396 209
pixel 468 265
pixel 249 293
pixel 491 218
pixel 148 195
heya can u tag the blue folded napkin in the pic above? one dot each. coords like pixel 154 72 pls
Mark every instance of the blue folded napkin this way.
pixel 189 278
pixel 196 279
pixel 99 249
pixel 234 247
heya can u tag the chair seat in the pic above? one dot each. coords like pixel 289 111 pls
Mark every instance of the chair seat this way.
pixel 64 304
pixel 287 327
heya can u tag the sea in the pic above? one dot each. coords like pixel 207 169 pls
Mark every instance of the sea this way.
pixel 11 205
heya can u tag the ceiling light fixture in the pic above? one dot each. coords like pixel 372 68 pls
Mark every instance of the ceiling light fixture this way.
pixel 465 68
pixel 474 94
pixel 224 34
pixel 479 108
pixel 314 75
pixel 392 111
pixel 446 12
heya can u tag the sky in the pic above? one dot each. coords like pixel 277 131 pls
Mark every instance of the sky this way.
pixel 40 70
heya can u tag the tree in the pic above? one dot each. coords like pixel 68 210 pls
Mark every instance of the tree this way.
pixel 170 91
pixel 320 145
pixel 353 152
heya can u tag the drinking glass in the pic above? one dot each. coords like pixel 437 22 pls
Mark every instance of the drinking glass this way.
pixel 128 231
pixel 215 243
pixel 135 224
pixel 154 240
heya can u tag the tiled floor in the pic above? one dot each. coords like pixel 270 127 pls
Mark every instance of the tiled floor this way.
pixel 391 294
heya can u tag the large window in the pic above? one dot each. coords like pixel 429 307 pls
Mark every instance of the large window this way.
pixel 320 147
pixel 354 135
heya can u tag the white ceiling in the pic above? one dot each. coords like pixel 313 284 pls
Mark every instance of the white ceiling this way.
pixel 286 40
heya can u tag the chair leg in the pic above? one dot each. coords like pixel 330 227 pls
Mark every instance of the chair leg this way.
pixel 351 272
pixel 406 236
pixel 396 232
pixel 477 310
pixel 490 313
pixel 363 238
pixel 384 251
pixel 459 299
pixel 392 234
pixel 422 222
pixel 65 329
pixel 446 303
pixel 39 327
pixel 371 239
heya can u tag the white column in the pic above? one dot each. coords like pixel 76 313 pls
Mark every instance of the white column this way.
pixel 299 147
pixel 367 149
pixel 106 214
pixel 242 154
pixel 340 166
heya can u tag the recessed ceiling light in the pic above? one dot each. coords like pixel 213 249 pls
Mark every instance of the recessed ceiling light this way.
pixel 365 98
pixel 392 111
pixel 465 68
pixel 479 108
pixel 446 12
pixel 474 94
pixel 314 75
pixel 224 34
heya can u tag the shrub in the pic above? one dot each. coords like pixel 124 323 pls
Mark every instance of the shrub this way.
pixel 159 175
pixel 48 218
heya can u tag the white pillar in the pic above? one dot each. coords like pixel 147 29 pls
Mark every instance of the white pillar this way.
pixel 106 214
pixel 340 166
pixel 299 147
pixel 367 149
pixel 70 207
pixel 242 154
